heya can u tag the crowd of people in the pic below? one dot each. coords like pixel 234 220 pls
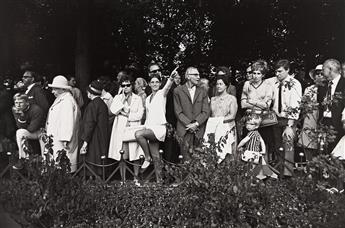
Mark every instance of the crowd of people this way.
pixel 129 118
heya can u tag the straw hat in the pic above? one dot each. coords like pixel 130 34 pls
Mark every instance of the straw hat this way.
pixel 60 82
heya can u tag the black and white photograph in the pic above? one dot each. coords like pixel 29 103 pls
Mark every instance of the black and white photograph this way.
pixel 172 113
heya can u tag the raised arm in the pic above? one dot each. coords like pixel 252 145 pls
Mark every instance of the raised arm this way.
pixel 169 82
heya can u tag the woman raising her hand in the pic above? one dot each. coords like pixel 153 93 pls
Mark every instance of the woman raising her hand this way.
pixel 155 124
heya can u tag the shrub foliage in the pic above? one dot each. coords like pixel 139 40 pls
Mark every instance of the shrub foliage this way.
pixel 210 195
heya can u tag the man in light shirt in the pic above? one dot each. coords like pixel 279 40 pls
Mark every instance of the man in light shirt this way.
pixel 192 111
pixel 286 104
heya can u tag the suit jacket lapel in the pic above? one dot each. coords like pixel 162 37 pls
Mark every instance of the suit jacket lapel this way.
pixel 185 89
pixel 197 92
pixel 340 87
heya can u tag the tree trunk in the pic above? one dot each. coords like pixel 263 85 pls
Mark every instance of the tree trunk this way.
pixel 82 50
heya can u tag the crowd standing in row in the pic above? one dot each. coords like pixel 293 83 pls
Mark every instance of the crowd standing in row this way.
pixel 135 119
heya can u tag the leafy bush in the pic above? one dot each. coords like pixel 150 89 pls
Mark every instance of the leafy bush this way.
pixel 210 195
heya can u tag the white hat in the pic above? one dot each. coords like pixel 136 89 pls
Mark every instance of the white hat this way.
pixel 60 82
pixel 312 72
pixel 318 67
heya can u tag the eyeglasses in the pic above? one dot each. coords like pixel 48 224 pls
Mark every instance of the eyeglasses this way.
pixel 126 85
pixel 194 74
pixel 27 77
pixel 155 71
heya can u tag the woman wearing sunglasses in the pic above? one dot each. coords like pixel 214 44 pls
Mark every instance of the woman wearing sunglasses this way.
pixel 155 124
pixel 128 110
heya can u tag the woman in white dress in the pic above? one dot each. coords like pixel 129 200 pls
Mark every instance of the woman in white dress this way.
pixel 155 124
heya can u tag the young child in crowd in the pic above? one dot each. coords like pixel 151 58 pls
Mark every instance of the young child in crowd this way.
pixel 254 144
pixel 255 149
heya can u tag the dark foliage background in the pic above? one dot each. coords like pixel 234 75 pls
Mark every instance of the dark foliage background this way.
pixel 94 37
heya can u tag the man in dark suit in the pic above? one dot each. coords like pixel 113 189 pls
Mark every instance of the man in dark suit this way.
pixel 192 111
pixel 331 99
pixel 34 91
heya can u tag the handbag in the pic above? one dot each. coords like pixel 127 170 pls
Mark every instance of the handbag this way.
pixel 269 118
pixel 251 156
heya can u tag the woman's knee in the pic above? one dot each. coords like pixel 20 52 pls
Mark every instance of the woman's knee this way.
pixel 139 134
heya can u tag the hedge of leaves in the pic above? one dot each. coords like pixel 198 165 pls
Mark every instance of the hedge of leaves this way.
pixel 211 195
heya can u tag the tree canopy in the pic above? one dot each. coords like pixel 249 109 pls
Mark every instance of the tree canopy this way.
pixel 97 37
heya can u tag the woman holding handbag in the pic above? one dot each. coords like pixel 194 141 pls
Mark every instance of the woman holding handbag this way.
pixel 128 110
pixel 257 96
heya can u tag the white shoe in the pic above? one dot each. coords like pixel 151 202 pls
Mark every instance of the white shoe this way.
pixel 145 164
pixel 136 183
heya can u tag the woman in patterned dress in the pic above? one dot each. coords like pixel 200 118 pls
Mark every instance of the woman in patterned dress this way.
pixel 225 105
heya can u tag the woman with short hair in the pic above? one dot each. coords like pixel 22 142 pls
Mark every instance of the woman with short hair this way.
pixel 222 118
pixel 128 110
pixel 94 128
pixel 257 96
pixel 155 124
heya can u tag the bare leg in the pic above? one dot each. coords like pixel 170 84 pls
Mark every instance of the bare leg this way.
pixel 154 148
pixel 142 137
pixel 136 168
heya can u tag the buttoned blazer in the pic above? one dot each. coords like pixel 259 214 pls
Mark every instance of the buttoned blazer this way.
pixel 187 111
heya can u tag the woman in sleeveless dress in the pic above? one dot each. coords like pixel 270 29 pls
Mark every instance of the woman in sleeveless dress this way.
pixel 155 124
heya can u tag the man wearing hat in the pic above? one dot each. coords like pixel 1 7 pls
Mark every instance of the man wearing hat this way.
pixel 308 134
pixel 63 121
pixel 94 130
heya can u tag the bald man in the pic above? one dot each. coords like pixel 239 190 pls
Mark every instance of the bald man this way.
pixel 192 111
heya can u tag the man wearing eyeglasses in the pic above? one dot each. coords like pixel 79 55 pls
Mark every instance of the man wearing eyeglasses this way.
pixel 192 111
pixel 34 91
pixel 154 68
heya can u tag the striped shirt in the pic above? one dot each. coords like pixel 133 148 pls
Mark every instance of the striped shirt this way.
pixel 254 143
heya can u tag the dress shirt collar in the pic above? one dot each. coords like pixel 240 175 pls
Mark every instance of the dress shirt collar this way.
pixel 288 78
pixel 191 89
pixel 29 88
pixel 335 81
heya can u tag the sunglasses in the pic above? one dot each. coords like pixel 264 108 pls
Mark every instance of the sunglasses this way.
pixel 126 85
pixel 155 71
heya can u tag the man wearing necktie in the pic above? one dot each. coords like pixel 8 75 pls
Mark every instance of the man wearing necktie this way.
pixel 192 111
pixel 331 99
pixel 286 104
